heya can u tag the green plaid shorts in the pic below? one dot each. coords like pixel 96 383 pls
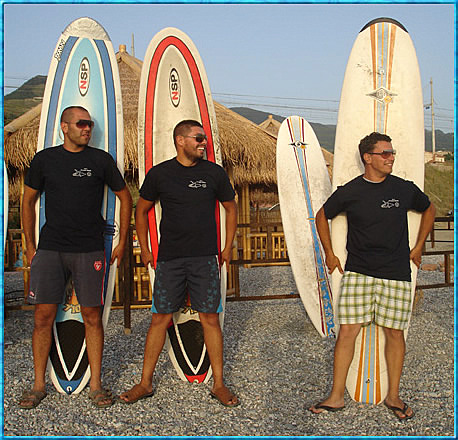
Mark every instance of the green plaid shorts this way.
pixel 364 299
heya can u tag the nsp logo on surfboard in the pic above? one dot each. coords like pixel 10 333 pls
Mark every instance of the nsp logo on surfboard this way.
pixel 83 76
pixel 174 87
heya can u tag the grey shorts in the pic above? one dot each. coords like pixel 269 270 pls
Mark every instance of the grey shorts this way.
pixel 199 276
pixel 50 271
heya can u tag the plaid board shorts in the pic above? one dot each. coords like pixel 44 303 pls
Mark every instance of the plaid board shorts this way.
pixel 364 299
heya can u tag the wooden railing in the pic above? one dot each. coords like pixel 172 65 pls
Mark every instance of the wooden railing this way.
pixel 265 245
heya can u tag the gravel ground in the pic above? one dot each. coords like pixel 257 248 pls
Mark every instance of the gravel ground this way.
pixel 274 360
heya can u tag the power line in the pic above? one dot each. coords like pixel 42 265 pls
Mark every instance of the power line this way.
pixel 276 97
pixel 445 109
pixel 16 77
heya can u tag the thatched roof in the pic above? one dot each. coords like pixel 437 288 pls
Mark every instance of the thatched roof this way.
pixel 247 150
pixel 271 125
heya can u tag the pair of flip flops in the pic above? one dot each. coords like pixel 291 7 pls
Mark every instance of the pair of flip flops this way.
pixel 398 411
pixel 30 399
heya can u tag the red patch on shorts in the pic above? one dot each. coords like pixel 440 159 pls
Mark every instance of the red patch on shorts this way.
pixel 98 265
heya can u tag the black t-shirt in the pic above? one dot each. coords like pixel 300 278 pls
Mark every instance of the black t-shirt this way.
pixel 73 184
pixel 188 198
pixel 377 240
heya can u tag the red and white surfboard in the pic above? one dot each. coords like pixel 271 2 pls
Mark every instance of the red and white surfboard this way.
pixel 174 87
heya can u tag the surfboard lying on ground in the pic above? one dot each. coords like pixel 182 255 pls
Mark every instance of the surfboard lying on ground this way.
pixel 381 92
pixel 174 87
pixel 83 72
pixel 303 186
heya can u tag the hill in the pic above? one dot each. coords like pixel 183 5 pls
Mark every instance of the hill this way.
pixel 24 98
pixel 326 133
pixel 439 186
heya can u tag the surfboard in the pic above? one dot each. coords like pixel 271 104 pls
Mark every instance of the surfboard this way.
pixel 5 205
pixel 381 92
pixel 83 71
pixel 303 186
pixel 174 87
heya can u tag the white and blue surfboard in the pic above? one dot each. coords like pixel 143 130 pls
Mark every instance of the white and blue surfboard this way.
pixel 83 72
pixel 303 186
pixel 5 204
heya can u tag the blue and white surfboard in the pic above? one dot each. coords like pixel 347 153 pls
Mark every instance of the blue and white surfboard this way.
pixel 83 72
pixel 5 204
pixel 303 186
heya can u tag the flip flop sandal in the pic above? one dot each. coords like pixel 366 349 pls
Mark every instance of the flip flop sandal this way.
pixel 98 396
pixel 396 410
pixel 35 397
pixel 327 408
pixel 230 396
pixel 140 397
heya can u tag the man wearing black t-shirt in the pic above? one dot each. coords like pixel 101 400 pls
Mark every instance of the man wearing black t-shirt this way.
pixel 376 282
pixel 72 176
pixel 187 188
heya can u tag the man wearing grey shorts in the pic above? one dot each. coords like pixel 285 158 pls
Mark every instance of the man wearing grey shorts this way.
pixel 72 176
pixel 187 187
pixel 376 282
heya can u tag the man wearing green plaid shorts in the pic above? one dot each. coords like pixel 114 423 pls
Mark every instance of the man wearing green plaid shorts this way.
pixel 376 282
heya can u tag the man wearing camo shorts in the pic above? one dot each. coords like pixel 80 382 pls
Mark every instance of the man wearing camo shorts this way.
pixel 376 282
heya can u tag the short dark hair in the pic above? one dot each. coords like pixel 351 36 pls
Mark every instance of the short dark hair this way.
pixel 183 127
pixel 69 109
pixel 367 143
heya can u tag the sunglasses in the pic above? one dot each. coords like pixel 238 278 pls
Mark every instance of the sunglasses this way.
pixel 386 154
pixel 82 123
pixel 199 138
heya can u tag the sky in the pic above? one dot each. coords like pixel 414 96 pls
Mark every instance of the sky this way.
pixel 280 58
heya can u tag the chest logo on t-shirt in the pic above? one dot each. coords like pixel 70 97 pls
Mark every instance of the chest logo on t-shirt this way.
pixel 83 172
pixel 198 184
pixel 392 203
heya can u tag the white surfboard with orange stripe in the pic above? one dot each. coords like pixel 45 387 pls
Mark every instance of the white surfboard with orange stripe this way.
pixel 174 87
pixel 381 92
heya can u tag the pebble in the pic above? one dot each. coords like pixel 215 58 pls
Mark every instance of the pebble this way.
pixel 275 361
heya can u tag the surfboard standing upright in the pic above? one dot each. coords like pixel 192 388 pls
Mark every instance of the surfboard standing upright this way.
pixel 303 186
pixel 83 72
pixel 5 204
pixel 381 92
pixel 174 87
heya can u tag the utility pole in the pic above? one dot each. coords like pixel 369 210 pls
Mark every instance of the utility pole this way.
pixel 432 122
pixel 132 48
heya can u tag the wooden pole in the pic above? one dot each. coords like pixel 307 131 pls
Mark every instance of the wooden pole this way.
pixel 128 285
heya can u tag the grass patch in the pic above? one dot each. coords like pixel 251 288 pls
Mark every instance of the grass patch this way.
pixel 439 186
